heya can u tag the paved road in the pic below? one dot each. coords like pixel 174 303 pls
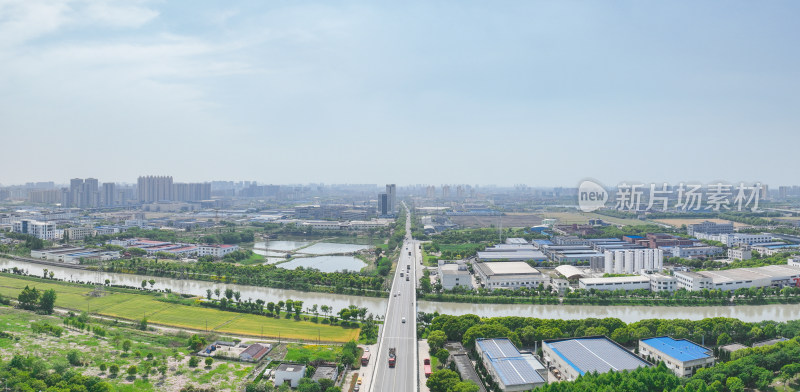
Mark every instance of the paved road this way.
pixel 396 333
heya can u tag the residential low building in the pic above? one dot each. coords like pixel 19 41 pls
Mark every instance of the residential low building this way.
pixel 329 372
pixel 41 230
pixel 78 233
pixel 255 352
pixel 289 374
pixel 681 356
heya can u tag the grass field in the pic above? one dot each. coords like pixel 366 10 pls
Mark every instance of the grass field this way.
pixel 565 218
pixel 678 222
pixel 300 353
pixel 133 306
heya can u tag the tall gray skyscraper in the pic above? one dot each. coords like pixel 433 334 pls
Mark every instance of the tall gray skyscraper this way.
pixel 82 193
pixel 155 188
pixel 383 204
pixel 391 191
pixel 109 195
pixel 91 193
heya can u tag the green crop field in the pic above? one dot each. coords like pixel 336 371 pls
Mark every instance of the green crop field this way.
pixel 133 306
pixel 289 329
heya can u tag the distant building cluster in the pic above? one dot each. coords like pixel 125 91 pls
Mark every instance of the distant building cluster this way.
pixel 161 188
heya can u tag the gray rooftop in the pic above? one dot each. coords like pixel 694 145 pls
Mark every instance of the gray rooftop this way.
pixel 595 354
pixel 511 366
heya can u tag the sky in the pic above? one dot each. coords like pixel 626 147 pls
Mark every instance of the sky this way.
pixel 543 93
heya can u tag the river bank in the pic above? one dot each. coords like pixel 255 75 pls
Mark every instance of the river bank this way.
pixel 377 306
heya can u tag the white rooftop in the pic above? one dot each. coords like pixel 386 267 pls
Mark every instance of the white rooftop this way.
pixel 509 268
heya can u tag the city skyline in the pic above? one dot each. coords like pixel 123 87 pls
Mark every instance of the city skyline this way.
pixel 545 94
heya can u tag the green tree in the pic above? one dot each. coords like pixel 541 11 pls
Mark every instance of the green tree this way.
pixel 28 298
pixel 126 345
pixel 436 340
pixel 209 361
pixel 132 370
pixel 229 294
pixel 442 380
pixel 193 362
pixel 113 369
pixel 208 294
pixel 47 301
pixel 734 384
pixel 443 355
pixel 465 386
pixel 197 342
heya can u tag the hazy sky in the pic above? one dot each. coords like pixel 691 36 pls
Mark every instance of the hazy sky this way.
pixel 539 93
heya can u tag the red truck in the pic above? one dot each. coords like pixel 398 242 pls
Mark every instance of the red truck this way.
pixel 392 356
pixel 427 367
pixel 365 358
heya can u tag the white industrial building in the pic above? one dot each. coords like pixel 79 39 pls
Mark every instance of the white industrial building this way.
pixel 633 261
pixel 216 250
pixel 691 252
pixel 679 355
pixel 740 253
pixel 78 233
pixel 731 239
pixel 708 227
pixel 615 283
pixel 732 279
pixel 455 274
pixel 659 282
pixel 72 255
pixel 509 275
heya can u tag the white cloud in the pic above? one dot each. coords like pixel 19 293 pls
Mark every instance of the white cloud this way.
pixel 119 15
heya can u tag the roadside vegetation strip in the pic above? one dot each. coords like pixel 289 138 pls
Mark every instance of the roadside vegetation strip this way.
pixel 135 306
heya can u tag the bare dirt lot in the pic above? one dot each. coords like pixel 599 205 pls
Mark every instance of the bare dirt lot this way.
pixel 508 220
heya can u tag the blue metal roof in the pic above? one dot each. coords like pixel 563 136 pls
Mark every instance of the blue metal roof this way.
pixel 682 350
